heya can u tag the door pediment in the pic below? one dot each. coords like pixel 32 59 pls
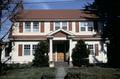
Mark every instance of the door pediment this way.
pixel 60 33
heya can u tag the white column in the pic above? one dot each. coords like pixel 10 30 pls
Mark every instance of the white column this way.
pixel 70 52
pixel 51 64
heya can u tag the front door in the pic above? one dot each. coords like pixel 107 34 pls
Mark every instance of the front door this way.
pixel 60 56
pixel 60 50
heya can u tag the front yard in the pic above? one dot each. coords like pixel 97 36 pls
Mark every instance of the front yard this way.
pixel 30 73
pixel 93 73
pixel 83 73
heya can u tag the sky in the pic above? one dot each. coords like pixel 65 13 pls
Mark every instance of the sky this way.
pixel 48 4
pixel 56 4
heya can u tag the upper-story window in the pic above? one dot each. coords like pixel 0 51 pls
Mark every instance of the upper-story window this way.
pixel 86 26
pixel 27 26
pixel 57 25
pixel 60 25
pixel 35 26
pixel 64 25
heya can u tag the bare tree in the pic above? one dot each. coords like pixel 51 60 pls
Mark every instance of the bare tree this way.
pixel 8 9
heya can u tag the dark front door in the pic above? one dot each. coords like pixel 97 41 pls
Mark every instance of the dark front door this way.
pixel 61 47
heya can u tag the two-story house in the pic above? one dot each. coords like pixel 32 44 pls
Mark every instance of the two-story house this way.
pixel 62 28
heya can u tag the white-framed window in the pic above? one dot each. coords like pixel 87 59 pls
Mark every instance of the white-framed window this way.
pixel 27 27
pixel 64 25
pixel 34 47
pixel 35 26
pixel 86 26
pixel 91 48
pixel 60 25
pixel 57 25
pixel 27 50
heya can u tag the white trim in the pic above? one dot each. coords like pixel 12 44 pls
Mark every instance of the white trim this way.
pixel 60 25
pixel 31 27
pixel 67 32
pixel 86 28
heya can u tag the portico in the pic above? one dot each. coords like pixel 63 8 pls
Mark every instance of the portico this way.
pixel 60 47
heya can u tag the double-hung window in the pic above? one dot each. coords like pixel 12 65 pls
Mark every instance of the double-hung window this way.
pixel 86 26
pixel 35 26
pixel 91 48
pixel 57 25
pixel 83 26
pixel 26 49
pixel 90 26
pixel 64 25
pixel 27 26
pixel 61 25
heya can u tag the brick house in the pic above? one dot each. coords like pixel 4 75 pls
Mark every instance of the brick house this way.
pixel 62 28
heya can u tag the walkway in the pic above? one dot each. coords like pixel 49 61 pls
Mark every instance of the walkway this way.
pixel 61 72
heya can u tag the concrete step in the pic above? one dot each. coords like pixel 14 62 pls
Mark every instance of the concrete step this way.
pixel 61 64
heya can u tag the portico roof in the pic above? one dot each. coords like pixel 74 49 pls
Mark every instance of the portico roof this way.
pixel 60 33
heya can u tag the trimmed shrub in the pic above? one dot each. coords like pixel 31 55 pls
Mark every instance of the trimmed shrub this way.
pixel 80 54
pixel 41 54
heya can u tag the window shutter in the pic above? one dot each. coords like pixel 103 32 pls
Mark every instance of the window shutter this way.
pixel 42 26
pixel 96 50
pixel 51 26
pixel 20 50
pixel 20 27
pixel 77 26
pixel 70 26
pixel 95 26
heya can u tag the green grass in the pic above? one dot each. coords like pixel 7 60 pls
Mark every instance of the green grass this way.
pixel 95 73
pixel 83 72
pixel 30 73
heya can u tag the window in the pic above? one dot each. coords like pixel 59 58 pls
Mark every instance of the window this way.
pixel 90 26
pixel 64 25
pixel 91 48
pixel 27 26
pixel 33 49
pixel 86 26
pixel 35 26
pixel 26 49
pixel 83 26
pixel 57 25
pixel 60 25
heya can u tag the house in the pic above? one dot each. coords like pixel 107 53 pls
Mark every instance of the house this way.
pixel 62 28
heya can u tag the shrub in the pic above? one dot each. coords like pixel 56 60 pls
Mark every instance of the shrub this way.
pixel 80 54
pixel 41 54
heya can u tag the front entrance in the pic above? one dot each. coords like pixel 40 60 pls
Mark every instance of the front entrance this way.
pixel 60 49
pixel 60 56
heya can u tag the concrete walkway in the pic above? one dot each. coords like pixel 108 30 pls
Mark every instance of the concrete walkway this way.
pixel 61 72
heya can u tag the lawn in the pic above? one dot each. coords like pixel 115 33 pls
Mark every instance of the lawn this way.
pixel 30 73
pixel 93 73
pixel 83 73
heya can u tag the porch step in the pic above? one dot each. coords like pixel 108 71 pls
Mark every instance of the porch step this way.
pixel 61 64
